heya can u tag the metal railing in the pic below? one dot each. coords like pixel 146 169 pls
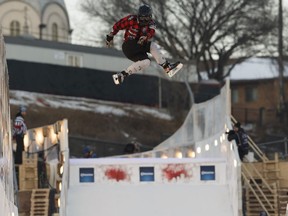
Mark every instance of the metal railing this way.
pixel 280 146
pixel 253 146
pixel 262 198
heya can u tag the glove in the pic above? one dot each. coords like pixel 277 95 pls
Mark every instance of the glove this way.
pixel 230 132
pixel 142 39
pixel 109 39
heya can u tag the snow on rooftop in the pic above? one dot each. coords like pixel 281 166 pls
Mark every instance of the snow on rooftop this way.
pixel 256 68
pixel 84 104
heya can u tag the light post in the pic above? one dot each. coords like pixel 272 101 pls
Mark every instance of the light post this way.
pixel 282 107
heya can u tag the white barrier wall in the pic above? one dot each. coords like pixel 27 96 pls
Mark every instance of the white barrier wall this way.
pixel 203 121
pixel 202 135
pixel 7 206
pixel 148 186
pixel 144 170
pixel 200 144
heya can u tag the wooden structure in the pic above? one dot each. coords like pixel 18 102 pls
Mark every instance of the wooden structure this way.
pixel 28 172
pixel 265 184
pixel 40 202
pixel 28 185
pixel 265 187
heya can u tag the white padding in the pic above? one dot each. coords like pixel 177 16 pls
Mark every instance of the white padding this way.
pixel 138 66
pixel 155 52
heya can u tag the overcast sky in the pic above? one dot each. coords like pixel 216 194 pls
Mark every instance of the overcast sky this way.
pixel 81 24
pixel 84 29
pixel 73 12
pixel 75 15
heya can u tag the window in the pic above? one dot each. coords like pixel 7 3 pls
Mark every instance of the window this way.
pixel 54 32
pixel 74 60
pixel 14 28
pixel 250 94
pixel 235 96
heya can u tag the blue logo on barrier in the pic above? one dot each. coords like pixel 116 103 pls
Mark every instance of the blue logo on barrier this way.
pixel 86 174
pixel 207 173
pixel 146 174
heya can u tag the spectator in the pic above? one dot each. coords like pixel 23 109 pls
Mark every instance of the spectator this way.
pixel 241 138
pixel 88 153
pixel 132 147
pixel 18 132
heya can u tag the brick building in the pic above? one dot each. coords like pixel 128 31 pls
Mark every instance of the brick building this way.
pixel 255 91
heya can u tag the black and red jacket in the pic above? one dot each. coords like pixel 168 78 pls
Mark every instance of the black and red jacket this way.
pixel 132 28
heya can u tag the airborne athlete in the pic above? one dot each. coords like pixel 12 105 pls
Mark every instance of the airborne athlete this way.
pixel 139 31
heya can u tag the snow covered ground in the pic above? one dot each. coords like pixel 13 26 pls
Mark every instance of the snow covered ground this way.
pixel 84 104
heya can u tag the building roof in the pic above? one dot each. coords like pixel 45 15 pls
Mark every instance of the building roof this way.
pixel 257 68
pixel 27 41
pixel 39 5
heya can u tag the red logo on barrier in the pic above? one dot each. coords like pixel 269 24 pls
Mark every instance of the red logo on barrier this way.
pixel 175 171
pixel 116 174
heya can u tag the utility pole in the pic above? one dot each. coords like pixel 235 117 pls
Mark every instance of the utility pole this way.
pixel 280 63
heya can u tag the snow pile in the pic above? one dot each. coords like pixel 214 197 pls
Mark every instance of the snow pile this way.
pixel 84 104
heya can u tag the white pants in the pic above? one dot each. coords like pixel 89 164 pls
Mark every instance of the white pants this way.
pixel 143 64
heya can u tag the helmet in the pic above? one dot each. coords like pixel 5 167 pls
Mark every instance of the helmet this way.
pixel 144 14
pixel 238 125
pixel 22 109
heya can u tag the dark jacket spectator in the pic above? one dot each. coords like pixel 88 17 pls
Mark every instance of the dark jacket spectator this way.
pixel 241 138
pixel 131 148
pixel 88 153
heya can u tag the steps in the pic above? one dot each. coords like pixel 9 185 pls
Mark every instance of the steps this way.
pixel 263 190
pixel 283 200
pixel 263 187
pixel 40 202
pixel 268 198
pixel 271 170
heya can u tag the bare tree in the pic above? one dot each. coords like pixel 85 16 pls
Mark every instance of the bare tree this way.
pixel 207 33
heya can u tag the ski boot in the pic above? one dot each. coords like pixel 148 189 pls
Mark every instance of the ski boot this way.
pixel 172 68
pixel 119 77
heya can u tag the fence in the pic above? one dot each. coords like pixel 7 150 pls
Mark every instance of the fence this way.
pixel 280 146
